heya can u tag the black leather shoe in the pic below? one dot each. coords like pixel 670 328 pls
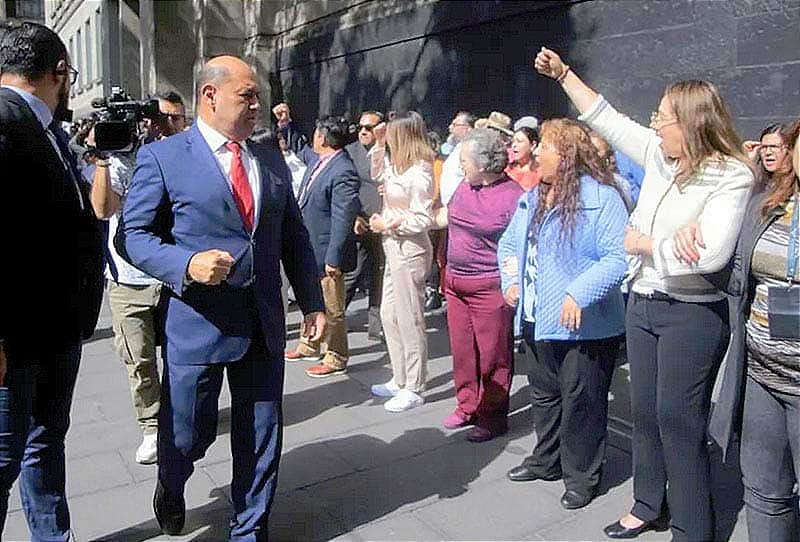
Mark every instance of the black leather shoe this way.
pixel 170 511
pixel 618 530
pixel 526 473
pixel 572 500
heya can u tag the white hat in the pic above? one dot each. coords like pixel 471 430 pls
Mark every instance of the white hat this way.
pixel 529 122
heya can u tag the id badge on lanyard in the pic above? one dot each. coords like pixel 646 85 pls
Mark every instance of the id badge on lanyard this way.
pixel 783 302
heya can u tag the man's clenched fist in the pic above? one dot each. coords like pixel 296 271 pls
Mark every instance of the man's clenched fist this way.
pixel 210 267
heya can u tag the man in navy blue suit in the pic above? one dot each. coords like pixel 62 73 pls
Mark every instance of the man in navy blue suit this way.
pixel 328 199
pixel 212 215
pixel 51 281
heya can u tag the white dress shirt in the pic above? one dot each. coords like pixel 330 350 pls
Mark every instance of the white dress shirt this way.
pixel 216 141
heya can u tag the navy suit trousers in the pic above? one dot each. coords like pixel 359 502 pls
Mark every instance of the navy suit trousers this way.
pixel 34 418
pixel 188 426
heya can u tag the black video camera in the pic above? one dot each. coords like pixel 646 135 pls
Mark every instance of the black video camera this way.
pixel 118 127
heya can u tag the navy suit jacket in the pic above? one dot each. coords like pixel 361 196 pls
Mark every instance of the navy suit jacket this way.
pixel 179 204
pixel 51 279
pixel 329 209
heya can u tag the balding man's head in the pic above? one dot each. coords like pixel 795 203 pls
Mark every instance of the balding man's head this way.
pixel 228 95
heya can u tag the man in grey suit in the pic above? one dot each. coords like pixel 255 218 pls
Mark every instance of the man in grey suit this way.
pixel 368 273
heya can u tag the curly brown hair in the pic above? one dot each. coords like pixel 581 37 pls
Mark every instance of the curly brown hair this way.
pixel 579 157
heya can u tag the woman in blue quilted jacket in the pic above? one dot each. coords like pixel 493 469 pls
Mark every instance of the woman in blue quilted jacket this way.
pixel 563 260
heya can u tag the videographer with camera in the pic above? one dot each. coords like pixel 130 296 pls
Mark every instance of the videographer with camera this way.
pixel 133 295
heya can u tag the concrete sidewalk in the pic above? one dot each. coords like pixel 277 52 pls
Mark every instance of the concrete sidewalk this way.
pixel 350 470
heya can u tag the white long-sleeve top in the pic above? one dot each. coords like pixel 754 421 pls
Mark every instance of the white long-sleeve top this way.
pixel 408 195
pixel 452 175
pixel 715 197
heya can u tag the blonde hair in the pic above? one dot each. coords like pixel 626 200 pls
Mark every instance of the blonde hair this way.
pixel 707 126
pixel 407 137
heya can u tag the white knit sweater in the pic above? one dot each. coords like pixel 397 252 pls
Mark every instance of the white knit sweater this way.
pixel 715 197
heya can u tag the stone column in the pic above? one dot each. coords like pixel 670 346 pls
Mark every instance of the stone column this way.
pixel 147 56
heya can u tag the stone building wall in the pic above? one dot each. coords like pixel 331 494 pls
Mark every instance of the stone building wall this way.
pixel 437 57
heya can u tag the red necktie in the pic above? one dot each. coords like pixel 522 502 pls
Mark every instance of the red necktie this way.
pixel 242 193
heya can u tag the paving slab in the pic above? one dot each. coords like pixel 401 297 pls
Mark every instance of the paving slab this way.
pixel 350 470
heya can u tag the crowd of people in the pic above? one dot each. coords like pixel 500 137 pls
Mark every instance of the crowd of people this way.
pixel 573 235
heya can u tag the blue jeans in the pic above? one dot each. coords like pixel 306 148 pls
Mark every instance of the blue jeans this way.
pixel 770 461
pixel 34 418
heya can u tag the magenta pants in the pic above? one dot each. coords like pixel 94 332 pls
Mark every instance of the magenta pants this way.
pixel 481 340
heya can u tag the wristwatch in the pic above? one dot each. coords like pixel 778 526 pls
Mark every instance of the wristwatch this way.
pixel 101 163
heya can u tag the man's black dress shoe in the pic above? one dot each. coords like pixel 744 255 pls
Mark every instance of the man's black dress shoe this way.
pixel 170 511
pixel 618 530
pixel 572 500
pixel 526 473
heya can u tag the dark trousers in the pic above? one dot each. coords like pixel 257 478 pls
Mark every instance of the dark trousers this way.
pixel 34 417
pixel 674 350
pixel 188 426
pixel 481 339
pixel 569 397
pixel 770 461
pixel 368 274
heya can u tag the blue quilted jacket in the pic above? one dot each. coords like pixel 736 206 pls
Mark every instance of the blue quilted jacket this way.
pixel 589 268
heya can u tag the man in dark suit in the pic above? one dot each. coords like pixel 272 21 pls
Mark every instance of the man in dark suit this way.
pixel 50 278
pixel 368 273
pixel 212 216
pixel 328 199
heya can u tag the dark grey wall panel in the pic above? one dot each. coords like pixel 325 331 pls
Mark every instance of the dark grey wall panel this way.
pixel 445 56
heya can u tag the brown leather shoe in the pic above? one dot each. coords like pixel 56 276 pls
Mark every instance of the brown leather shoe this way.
pixel 296 355
pixel 322 370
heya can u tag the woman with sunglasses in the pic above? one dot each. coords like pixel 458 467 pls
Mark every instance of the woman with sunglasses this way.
pixel 677 319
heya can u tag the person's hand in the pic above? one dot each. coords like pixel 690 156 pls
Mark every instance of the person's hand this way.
pixel 360 226
pixel 380 134
pixel 570 314
pixel 510 266
pixel 686 241
pixel 379 224
pixel 751 147
pixel 332 272
pixel 210 267
pixel 637 243
pixel 3 365
pixel 547 62
pixel 282 113
pixel 314 325
pixel 511 295
pixel 381 189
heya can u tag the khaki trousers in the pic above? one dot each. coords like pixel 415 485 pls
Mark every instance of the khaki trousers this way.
pixel 338 353
pixel 408 260
pixel 133 314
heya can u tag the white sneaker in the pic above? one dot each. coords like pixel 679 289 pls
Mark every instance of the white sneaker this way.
pixel 404 400
pixel 389 389
pixel 147 453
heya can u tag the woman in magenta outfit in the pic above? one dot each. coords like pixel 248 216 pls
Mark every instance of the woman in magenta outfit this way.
pixel 479 320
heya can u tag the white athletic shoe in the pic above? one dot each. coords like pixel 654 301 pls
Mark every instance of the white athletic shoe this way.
pixel 389 389
pixel 147 453
pixel 404 400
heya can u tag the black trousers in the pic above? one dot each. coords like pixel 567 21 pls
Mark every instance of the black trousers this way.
pixel 569 383
pixel 674 350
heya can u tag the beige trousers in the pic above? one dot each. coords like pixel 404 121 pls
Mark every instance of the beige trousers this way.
pixel 336 334
pixel 408 260
pixel 133 317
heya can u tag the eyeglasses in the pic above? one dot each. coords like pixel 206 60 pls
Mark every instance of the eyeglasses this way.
pixel 174 116
pixel 773 148
pixel 71 72
pixel 459 124
pixel 367 127
pixel 656 118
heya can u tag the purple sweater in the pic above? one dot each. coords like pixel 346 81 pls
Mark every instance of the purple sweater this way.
pixel 476 218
